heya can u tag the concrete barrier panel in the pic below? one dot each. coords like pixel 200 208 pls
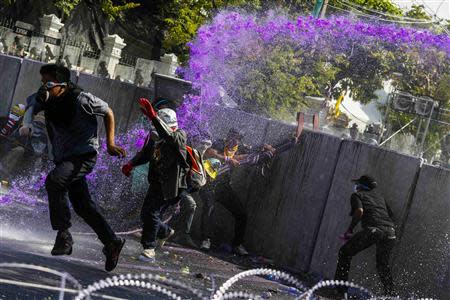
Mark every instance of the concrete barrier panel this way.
pixel 286 209
pixel 395 174
pixel 421 263
pixel 223 119
pixel 28 81
pixel 135 113
pixel 121 99
pixel 95 85
pixel 10 67
pixel 278 132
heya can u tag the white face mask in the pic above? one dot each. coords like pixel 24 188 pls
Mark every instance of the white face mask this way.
pixel 355 188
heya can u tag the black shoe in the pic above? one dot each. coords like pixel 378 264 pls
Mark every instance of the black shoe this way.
pixel 63 243
pixel 112 252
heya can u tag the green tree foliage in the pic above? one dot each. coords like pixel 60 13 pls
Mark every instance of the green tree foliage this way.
pixel 111 9
pixel 384 6
pixel 182 19
pixel 418 12
pixel 7 2
pixel 66 6
pixel 278 84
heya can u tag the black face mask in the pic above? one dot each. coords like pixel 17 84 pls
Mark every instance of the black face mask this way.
pixel 43 95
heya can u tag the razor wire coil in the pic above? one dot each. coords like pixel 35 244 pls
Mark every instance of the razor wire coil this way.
pixel 140 280
pixel 219 294
pixel 332 283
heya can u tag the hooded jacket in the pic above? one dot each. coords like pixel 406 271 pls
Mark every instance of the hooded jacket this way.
pixel 167 159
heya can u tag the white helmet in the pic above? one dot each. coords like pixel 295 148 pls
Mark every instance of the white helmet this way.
pixel 168 116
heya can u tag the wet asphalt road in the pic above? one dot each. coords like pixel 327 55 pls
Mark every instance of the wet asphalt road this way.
pixel 31 244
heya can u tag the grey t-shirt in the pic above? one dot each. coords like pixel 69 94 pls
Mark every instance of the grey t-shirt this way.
pixel 80 135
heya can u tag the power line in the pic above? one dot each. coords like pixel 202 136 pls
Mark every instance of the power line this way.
pixel 440 140
pixel 362 14
pixel 353 5
pixel 433 15
pixel 437 9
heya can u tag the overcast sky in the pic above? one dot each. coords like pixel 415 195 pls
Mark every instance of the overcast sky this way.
pixel 439 7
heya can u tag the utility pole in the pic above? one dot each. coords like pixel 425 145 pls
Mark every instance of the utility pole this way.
pixel 324 9
pixel 317 8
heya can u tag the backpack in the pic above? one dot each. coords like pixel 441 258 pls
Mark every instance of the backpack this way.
pixel 197 176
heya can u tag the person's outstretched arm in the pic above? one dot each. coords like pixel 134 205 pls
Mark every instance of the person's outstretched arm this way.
pixel 110 136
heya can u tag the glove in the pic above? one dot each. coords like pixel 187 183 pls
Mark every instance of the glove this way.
pixel 25 130
pixel 346 236
pixel 126 169
pixel 147 108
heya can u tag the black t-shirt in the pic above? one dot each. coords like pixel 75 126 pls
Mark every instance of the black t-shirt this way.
pixel 376 211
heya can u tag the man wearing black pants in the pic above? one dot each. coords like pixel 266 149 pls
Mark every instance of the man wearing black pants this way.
pixel 71 123
pixel 165 151
pixel 377 229
pixel 187 203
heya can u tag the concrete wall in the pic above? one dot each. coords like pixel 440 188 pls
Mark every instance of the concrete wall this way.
pixel 28 80
pixel 296 214
pixel 395 174
pixel 421 263
pixel 286 210
pixel 10 66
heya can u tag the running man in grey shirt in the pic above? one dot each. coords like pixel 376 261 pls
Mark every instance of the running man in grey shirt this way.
pixel 71 121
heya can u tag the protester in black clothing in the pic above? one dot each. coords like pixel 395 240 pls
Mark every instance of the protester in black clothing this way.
pixel 187 203
pixel 369 208
pixel 165 150
pixel 71 121
pixel 219 190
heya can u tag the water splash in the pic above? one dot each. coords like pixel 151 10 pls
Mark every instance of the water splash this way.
pixel 235 51
pixel 106 181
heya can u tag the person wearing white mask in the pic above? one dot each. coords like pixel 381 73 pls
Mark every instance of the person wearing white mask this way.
pixel 165 151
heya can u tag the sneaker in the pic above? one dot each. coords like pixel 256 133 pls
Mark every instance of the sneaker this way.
pixel 185 239
pixel 63 243
pixel 240 250
pixel 112 252
pixel 160 243
pixel 148 255
pixel 206 245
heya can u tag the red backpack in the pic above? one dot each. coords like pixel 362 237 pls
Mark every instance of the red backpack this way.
pixel 197 175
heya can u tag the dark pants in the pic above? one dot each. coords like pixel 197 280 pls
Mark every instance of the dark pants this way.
pixel 384 241
pixel 222 193
pixel 70 176
pixel 188 207
pixel 152 210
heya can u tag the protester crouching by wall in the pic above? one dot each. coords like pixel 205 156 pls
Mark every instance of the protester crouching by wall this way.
pixel 376 217
pixel 220 191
